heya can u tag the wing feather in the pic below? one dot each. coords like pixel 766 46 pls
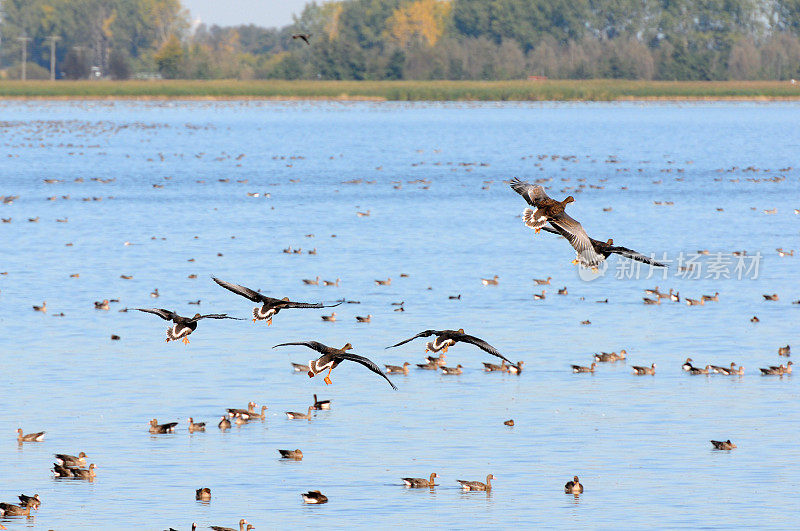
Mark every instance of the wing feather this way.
pixel 368 363
pixel 167 315
pixel 241 290
pixel 319 347
pixel 533 194
pixel 483 345
pixel 426 333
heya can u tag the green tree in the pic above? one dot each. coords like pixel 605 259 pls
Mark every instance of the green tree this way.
pixel 169 58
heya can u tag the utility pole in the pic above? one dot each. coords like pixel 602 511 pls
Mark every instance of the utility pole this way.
pixel 53 39
pixel 24 41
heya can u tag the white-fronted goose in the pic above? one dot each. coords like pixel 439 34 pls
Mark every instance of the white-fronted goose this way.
pixel 714 297
pixel 562 291
pixel 578 368
pixel 183 325
pixel 509 422
pixel 694 302
pixel 697 370
pixel 665 295
pixel 196 426
pixel 600 249
pixel 299 367
pixel 516 369
pixel 641 371
pixel 71 460
pixel 447 338
pixel 493 367
pixel 724 370
pixel 723 445
pixel 364 319
pixel 773 297
pixel 314 496
pixel 331 282
pixel 539 296
pixel 394 369
pixel 321 404
pixel 34 502
pixel 101 305
pixel 387 282
pixel 309 282
pixel 29 437
pixel 477 485
pixel 9 509
pixel 84 473
pixel 651 301
pixel 62 471
pixel 332 357
pixel 330 318
pixel 772 371
pixel 155 427
pixel 297 455
pixel 203 494
pixel 574 486
pixel 785 351
pixel 224 424
pixel 242 524
pixel 452 370
pixel 490 281
pixel 42 308
pixel 687 365
pixel 420 483
pixel 543 282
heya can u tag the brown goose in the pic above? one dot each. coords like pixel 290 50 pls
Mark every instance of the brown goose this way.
pixel 183 325
pixel 543 282
pixel 203 494
pixel 294 415
pixel 242 524
pixel 694 302
pixel 651 301
pixel 611 356
pixel 321 404
pixel 330 318
pixel 297 455
pixel 516 369
pixel 723 445
pixel 714 297
pixel 490 281
pixel 578 368
pixel 419 483
pixel 29 437
pixel 773 297
pixel 697 370
pixel 387 282
pixel 332 357
pixel 269 305
pixel 602 250
pixel 477 485
pixel 30 501
pixel 196 426
pixel 314 496
pixel 84 473
pixel 574 486
pixel 299 367
pixel 785 351
pixel 71 460
pixel 155 427
pixel 394 369
pixel 8 509
pixel 447 338
pixel 452 370
pixel 493 367
pixel 224 424
pixel 309 282
pixel 641 371
pixel 364 319
pixel 687 365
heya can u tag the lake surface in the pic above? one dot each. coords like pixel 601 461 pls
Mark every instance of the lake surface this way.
pixel 639 444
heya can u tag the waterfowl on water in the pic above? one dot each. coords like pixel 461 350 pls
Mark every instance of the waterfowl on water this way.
pixel 71 460
pixel 492 367
pixel 84 473
pixel 651 301
pixel 782 253
pixel 772 371
pixel 321 404
pixel 224 424
pixel 196 426
pixel 754 319
pixel 297 455
pixel 8 509
pixel 543 282
pixel 687 365
pixel 578 368
pixel 606 357
pixel 308 282
pixel 785 351
pixel 429 366
pixel 30 501
pixel 269 305
pixel 724 370
pixel 783 369
pixel 772 297
pixel 574 486
pixel 675 297
pixel 101 305
pixel 394 369
pixel 490 281
pixel 331 357
pixel 641 371
pixel 364 319
pixel 694 302
pixel 509 422
pixel 330 318
pixel 314 496
pixel 516 369
pixel 562 291
pixel 183 325
pixel 697 370
pixel 452 370
pixel 242 524
pixel 477 485
pixel 653 291
pixel 331 282
pixel 61 471
pixel 42 308
pixel 386 282
pixel 447 338
pixel 539 296
pixel 203 494
pixel 665 295
pixel 155 427
pixel 440 360
pixel 29 437
pixel 419 483
pixel 714 297
pixel 723 445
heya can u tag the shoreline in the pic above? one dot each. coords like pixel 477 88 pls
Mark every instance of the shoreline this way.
pixel 379 91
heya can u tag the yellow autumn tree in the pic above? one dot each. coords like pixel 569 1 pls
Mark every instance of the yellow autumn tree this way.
pixel 421 21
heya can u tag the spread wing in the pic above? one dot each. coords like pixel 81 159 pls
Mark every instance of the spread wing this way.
pixel 481 344
pixel 633 255
pixel 426 333
pixel 368 363
pixel 577 237
pixel 240 290
pixel 167 315
pixel 533 194
pixel 214 316
pixel 292 304
pixel 319 347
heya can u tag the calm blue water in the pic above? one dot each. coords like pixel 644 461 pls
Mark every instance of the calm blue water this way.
pixel 639 444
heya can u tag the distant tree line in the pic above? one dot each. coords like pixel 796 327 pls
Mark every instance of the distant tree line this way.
pixel 416 39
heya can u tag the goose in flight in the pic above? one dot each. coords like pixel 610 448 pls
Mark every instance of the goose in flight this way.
pixel 331 357
pixel 183 325
pixel 447 338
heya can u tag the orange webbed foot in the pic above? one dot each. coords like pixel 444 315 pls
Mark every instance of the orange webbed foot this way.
pixel 575 262
pixel 328 380
pixel 254 320
pixel 269 322
pixel 538 231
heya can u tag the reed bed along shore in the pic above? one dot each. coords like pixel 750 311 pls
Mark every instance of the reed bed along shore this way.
pixel 549 90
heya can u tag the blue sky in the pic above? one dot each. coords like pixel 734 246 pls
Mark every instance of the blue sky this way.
pixel 268 13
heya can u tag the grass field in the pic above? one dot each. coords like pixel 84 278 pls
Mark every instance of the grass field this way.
pixel 550 90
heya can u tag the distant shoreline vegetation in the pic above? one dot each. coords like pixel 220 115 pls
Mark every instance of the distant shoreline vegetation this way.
pixel 548 90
